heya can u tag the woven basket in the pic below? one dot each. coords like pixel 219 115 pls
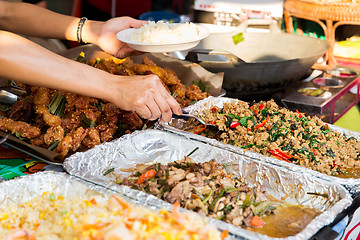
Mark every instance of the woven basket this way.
pixel 344 10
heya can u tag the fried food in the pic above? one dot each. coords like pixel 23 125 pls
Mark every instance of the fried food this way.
pixel 47 116
pixel 24 129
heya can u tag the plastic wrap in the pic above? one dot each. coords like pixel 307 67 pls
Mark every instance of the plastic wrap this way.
pixel 150 146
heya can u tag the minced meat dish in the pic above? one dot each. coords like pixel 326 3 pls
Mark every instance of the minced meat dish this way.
pixel 266 128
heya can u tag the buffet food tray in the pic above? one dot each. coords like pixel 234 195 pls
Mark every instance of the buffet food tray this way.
pixel 26 188
pixel 351 184
pixel 152 145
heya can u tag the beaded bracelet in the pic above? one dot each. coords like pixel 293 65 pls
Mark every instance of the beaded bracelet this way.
pixel 79 29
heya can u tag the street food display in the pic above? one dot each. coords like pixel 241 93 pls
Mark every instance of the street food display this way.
pixel 93 215
pixel 293 137
pixel 207 188
pixel 66 122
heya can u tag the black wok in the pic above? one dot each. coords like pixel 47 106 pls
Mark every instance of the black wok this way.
pixel 263 62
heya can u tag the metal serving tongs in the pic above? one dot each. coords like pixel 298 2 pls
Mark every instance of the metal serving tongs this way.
pixel 36 152
pixel 186 117
pixel 10 94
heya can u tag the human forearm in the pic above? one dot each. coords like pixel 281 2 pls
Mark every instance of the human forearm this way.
pixel 29 63
pixel 32 20
pixel 24 61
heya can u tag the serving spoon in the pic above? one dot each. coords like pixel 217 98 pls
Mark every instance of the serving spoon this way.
pixel 186 117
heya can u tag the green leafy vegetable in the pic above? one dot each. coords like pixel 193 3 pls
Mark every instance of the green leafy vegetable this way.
pixel 195 149
pixel 87 123
pixel 108 171
pixel 201 85
pixel 57 105
pixel 54 145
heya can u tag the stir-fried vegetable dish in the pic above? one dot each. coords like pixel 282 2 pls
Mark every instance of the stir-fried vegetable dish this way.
pixel 266 128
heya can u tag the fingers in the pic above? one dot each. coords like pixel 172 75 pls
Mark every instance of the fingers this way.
pixel 174 105
pixel 136 23
pixel 160 102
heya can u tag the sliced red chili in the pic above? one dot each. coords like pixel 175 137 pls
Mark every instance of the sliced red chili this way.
pixel 279 156
pixel 262 105
pixel 263 123
pixel 199 129
pixel 214 109
pixel 234 124
pixel 254 110
pixel 300 114
pixel 212 122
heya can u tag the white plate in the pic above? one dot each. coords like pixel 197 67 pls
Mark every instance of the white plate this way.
pixel 125 35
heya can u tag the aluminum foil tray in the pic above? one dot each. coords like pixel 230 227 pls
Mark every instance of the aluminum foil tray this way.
pixel 152 145
pixel 351 184
pixel 27 187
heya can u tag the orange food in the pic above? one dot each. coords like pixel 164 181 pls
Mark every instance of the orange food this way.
pixel 146 175
pixel 257 222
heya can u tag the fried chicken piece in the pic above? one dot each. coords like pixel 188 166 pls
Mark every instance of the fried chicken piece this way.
pixel 107 131
pixel 111 113
pixel 146 60
pixel 82 102
pixel 127 63
pixel 92 113
pixel 165 74
pixel 183 102
pixel 77 137
pixel 71 120
pixel 39 141
pixel 92 138
pixel 64 146
pixel 194 93
pixel 53 134
pixel 24 129
pixel 179 90
pixel 71 142
pixel 21 111
pixel 131 119
pixel 41 102
pixel 70 101
pixel 114 68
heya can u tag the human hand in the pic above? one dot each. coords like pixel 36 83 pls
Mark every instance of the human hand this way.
pixel 145 95
pixel 107 36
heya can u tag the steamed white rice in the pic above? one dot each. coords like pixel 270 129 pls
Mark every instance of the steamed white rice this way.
pixel 163 32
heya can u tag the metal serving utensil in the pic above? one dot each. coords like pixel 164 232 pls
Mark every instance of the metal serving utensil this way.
pixel 10 94
pixel 42 154
pixel 186 117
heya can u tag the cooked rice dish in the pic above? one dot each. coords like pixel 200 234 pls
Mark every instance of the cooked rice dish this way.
pixel 268 129
pixel 52 217
pixel 163 32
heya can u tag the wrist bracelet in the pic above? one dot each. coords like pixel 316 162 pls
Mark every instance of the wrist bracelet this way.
pixel 79 29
